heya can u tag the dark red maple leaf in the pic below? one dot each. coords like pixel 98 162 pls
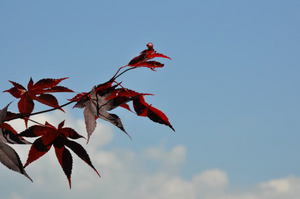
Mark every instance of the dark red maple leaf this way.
pixel 10 135
pixel 145 55
pixel 59 138
pixel 142 108
pixel 103 98
pixel 8 156
pixel 108 96
pixel 7 133
pixel 38 91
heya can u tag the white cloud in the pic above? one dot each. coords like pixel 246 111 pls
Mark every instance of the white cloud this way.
pixel 175 156
pixel 279 186
pixel 15 196
pixel 153 173
pixel 168 160
pixel 211 178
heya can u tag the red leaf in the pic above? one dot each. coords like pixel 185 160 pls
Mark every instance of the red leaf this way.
pixel 124 92
pixel 137 59
pixel 50 125
pixel 37 150
pixel 11 135
pixel 25 106
pixel 56 89
pixel 79 97
pixel 105 88
pixel 30 84
pixel 17 85
pixel 149 64
pixel 126 106
pixel 9 128
pixel 153 55
pixel 37 92
pixel 142 108
pixel 146 55
pixel 60 125
pixel 71 133
pixel 15 92
pixel 119 97
pixel 81 152
pixel 118 101
pixel 47 99
pixel 158 116
pixel 48 133
pixel 34 131
pixel 47 83
pixel 57 137
pixel 50 137
pixel 65 160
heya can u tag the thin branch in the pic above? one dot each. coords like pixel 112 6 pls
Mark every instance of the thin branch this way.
pixel 52 109
pixel 20 116
pixel 33 121
pixel 128 69
pixel 114 76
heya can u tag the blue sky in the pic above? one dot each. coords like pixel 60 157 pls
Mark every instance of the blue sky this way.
pixel 231 90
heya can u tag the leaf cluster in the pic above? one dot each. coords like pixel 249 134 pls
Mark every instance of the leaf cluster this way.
pixel 96 104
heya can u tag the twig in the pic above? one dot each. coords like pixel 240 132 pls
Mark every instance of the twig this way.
pixel 20 116
pixel 128 69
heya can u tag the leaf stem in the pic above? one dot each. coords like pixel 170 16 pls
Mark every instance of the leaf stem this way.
pixel 114 76
pixel 128 69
